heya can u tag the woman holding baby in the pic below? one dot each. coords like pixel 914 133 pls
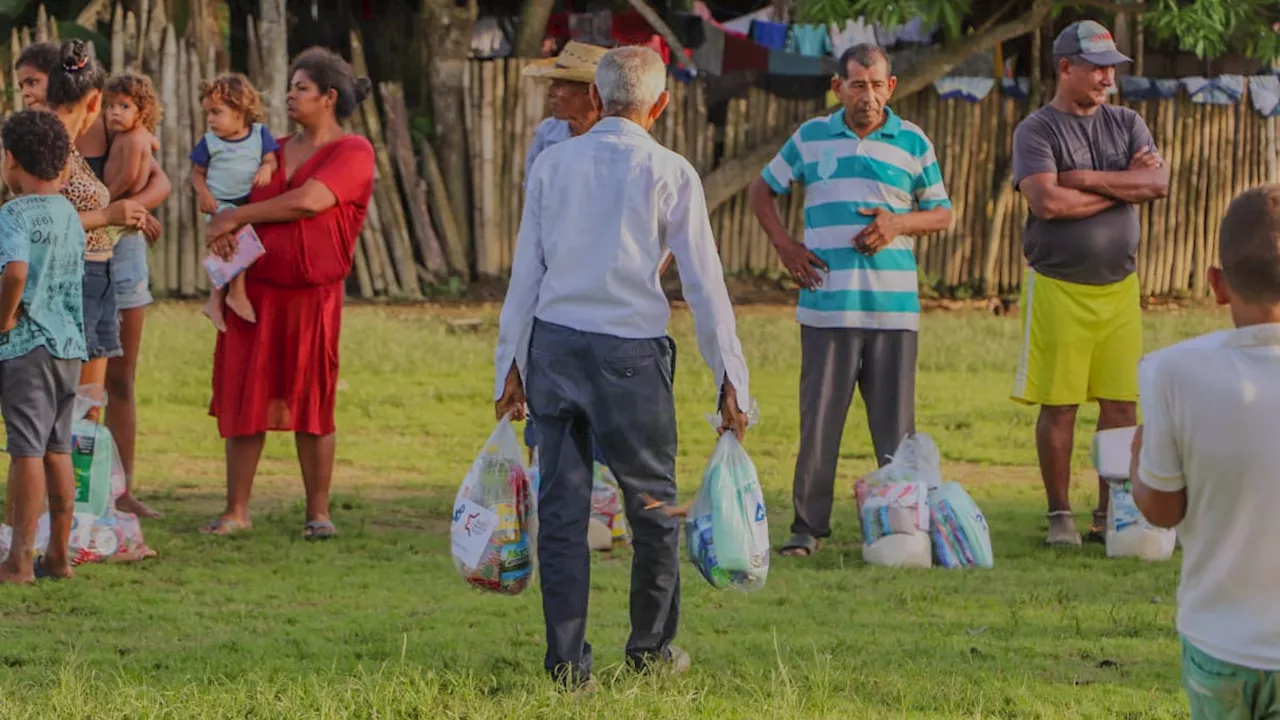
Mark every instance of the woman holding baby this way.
pixel 280 373
pixel 122 163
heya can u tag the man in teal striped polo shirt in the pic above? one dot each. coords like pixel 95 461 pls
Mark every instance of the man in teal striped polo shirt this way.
pixel 871 182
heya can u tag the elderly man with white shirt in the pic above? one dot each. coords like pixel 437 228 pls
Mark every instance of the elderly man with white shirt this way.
pixel 583 333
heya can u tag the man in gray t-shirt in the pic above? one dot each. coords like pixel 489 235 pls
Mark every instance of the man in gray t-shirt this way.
pixel 1083 166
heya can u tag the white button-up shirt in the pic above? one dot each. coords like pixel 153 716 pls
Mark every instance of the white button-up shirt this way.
pixel 601 211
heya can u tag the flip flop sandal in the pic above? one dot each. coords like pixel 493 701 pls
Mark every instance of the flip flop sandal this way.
pixel 319 530
pixel 800 545
pixel 1098 530
pixel 225 526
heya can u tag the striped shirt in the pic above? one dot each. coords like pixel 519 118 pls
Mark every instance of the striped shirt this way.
pixel 893 168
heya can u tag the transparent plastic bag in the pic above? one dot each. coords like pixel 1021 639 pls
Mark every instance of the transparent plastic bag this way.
pixel 1128 532
pixel 609 529
pixel 916 460
pixel 99 532
pixel 727 529
pixel 958 528
pixel 494 526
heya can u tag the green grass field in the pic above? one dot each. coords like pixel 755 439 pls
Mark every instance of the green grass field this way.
pixel 378 625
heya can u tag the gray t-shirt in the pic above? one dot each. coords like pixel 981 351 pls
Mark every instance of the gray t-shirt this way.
pixel 1097 250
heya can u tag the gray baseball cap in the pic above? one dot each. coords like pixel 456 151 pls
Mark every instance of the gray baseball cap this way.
pixel 1088 41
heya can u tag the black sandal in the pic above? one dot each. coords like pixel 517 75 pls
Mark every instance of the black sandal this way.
pixel 800 545
pixel 1098 530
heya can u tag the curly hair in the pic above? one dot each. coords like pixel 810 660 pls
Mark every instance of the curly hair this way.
pixel 236 92
pixel 38 141
pixel 138 88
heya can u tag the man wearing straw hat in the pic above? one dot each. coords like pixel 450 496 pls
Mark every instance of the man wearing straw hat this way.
pixel 569 76
pixel 1084 166
pixel 584 330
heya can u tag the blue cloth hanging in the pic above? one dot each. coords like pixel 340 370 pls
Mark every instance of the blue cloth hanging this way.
pixel 969 89
pixel 1016 88
pixel 812 40
pixel 1136 87
pixel 770 34
pixel 1264 91
pixel 795 64
pixel 1221 90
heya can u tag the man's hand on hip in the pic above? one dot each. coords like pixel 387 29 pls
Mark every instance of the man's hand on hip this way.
pixel 512 400
pixel 801 263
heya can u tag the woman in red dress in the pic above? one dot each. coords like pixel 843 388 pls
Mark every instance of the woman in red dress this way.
pixel 281 373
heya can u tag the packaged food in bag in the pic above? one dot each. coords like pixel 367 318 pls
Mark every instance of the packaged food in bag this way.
pixel 893 505
pixel 608 526
pixel 493 531
pixel 727 528
pixel 958 529
pixel 1128 532
pixel 99 532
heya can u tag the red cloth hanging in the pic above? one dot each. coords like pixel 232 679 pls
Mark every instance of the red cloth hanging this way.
pixel 630 28
pixel 558 26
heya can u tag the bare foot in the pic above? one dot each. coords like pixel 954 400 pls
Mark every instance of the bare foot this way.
pixel 242 307
pixel 226 526
pixel 56 568
pixel 127 503
pixel 9 576
pixel 213 311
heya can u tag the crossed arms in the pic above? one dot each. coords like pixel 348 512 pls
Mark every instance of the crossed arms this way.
pixel 1076 194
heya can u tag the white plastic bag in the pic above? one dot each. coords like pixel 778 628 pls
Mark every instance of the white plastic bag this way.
pixel 893 505
pixel 493 531
pixel 99 532
pixel 727 529
pixel 1128 532
pixel 916 460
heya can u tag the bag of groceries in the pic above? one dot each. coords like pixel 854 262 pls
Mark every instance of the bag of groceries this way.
pixel 959 531
pixel 893 505
pixel 727 529
pixel 607 529
pixel 1128 532
pixel 99 532
pixel 494 525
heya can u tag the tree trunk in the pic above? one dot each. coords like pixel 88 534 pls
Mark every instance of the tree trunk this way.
pixel 272 33
pixel 731 177
pixel 447 30
pixel 532 27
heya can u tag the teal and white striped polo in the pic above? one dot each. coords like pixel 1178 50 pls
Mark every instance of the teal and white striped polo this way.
pixel 894 168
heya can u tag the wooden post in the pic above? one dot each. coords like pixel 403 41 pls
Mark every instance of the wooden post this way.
pixel 273 32
pixel 170 154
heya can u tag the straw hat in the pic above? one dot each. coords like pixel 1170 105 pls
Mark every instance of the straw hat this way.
pixel 575 63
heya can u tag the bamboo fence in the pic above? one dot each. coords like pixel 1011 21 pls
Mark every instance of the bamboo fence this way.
pixel 411 240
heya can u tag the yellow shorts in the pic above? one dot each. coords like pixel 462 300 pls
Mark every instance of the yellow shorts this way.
pixel 1079 342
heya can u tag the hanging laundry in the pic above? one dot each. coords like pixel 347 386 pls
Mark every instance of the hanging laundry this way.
pixel 855 32
pixel 794 87
pixel 1136 87
pixel 795 64
pixel 910 33
pixel 658 45
pixel 629 28
pixel 709 56
pixel 730 86
pixel 487 39
pixel 690 29
pixel 740 54
pixel 592 28
pixel 701 10
pixel 743 24
pixel 809 40
pixel 770 34
pixel 1016 88
pixel 1264 90
pixel 1222 90
pixel 969 89
pixel 558 26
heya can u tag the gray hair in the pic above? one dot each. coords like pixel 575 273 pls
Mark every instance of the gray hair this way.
pixel 630 79
pixel 866 55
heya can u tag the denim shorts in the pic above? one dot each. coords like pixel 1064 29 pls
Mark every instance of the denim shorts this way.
pixel 101 317
pixel 129 272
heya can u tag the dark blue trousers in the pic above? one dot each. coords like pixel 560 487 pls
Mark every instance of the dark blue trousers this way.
pixel 579 386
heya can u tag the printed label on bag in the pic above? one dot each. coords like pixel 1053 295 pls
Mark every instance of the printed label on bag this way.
pixel 472 527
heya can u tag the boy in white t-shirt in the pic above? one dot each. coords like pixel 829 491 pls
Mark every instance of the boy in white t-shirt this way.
pixel 1207 460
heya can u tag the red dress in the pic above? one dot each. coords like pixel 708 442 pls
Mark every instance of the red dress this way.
pixel 281 373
